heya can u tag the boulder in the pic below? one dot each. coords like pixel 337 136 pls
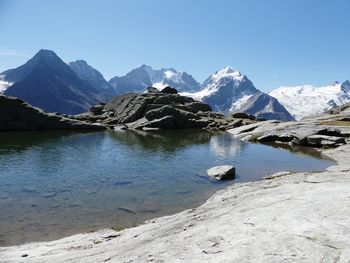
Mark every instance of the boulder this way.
pixel 224 172
pixel 169 90
pixel 97 110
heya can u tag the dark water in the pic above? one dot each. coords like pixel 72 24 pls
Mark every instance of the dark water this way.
pixel 56 184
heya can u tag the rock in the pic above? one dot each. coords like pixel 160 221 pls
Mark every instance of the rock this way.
pixel 169 90
pixel 166 122
pixel 276 138
pixel 324 141
pixel 153 110
pixel 97 110
pixel 172 99
pixel 243 115
pixel 16 115
pixel 224 172
pixel 152 90
pixel 180 116
pixel 195 107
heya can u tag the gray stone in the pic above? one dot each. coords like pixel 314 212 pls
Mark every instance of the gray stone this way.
pixel 224 172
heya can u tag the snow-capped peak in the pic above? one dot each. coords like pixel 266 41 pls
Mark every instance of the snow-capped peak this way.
pixel 223 76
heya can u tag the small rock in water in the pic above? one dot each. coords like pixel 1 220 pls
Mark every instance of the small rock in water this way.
pixel 224 172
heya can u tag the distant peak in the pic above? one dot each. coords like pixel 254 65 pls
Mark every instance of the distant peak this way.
pixel 143 66
pixel 227 72
pixel 79 61
pixel 45 53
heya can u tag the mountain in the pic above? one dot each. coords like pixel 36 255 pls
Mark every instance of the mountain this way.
pixel 137 80
pixel 230 91
pixel 306 100
pixel 45 81
pixel 91 75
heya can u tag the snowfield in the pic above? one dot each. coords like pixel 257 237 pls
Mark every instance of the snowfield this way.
pixel 306 100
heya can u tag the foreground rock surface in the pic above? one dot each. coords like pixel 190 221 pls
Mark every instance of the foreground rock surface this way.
pixel 16 115
pixel 295 217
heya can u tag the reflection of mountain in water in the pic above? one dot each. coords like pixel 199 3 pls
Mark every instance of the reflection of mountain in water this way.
pixel 226 145
pixel 20 141
pixel 167 141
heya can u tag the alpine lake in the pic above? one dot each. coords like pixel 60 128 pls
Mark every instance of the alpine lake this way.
pixel 54 184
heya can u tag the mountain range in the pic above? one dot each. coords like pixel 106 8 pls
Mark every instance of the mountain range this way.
pixel 137 80
pixel 47 82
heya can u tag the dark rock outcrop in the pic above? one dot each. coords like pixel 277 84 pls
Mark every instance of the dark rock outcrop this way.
pixel 158 110
pixel 169 90
pixel 16 115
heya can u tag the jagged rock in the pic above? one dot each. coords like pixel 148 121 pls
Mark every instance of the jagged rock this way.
pixel 169 90
pixel 16 115
pixel 224 172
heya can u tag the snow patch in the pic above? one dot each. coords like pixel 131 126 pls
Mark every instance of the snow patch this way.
pixel 240 102
pixel 4 84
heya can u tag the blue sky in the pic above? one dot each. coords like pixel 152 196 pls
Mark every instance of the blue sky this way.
pixel 273 42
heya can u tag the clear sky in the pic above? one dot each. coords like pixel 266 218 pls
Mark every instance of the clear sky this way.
pixel 273 42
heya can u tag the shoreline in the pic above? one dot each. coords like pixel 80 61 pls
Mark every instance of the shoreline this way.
pixel 269 220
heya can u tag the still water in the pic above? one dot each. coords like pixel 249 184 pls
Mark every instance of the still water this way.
pixel 54 184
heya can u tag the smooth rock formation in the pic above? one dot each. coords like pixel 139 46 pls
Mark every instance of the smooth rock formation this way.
pixel 16 115
pixel 223 172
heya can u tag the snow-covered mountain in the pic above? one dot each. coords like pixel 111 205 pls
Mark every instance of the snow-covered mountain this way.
pixel 306 100
pixel 230 91
pixel 137 80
